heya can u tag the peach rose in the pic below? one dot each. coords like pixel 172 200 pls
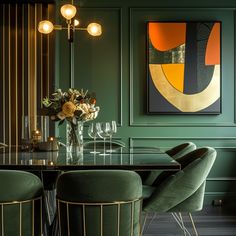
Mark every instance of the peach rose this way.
pixel 68 109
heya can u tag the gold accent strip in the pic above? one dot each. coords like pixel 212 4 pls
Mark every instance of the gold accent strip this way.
pixel 84 220
pixel 101 219
pixel 28 62
pixel 99 203
pixel 33 218
pixel 18 202
pixel 9 74
pixel 68 219
pixel 48 58
pixel 20 219
pixel 41 216
pixel 23 61
pixel 102 204
pixel 2 213
pixel 118 219
pixel 194 227
pixel 59 216
pixel 4 74
pixel 132 219
pixel 16 88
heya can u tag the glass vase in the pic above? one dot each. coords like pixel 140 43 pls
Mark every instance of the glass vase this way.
pixel 74 137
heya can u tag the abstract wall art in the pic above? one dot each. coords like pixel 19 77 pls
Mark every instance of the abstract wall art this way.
pixel 184 67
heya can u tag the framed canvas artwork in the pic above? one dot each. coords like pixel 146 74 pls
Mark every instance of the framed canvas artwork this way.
pixel 184 67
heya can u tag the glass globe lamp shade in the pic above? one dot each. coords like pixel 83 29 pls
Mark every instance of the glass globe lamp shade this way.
pixel 68 11
pixel 94 29
pixel 45 27
pixel 76 22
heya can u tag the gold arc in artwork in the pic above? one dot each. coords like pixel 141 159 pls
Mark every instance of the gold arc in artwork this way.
pixel 186 102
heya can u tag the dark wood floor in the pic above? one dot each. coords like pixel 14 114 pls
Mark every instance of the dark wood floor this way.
pixel 212 221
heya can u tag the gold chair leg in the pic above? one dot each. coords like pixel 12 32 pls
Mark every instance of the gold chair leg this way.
pixel 144 222
pixel 182 222
pixel 194 228
pixel 145 219
pixel 179 222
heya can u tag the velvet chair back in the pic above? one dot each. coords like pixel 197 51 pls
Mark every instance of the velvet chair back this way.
pixel 99 202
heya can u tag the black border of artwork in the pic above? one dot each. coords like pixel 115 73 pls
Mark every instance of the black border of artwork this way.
pixel 147 72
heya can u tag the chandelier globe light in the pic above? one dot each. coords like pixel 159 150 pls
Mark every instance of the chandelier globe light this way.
pixel 68 11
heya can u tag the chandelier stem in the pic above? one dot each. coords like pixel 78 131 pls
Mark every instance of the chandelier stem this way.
pixel 72 77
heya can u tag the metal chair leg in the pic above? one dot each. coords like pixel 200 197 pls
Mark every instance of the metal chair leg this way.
pixel 144 222
pixel 194 227
pixel 182 222
pixel 150 222
pixel 179 222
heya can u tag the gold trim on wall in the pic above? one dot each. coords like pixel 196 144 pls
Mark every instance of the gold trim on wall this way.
pixel 25 70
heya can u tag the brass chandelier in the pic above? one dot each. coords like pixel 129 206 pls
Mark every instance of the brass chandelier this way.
pixel 69 11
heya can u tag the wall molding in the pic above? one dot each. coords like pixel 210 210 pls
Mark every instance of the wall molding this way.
pixel 228 148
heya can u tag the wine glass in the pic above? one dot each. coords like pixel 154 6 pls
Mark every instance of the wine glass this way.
pixel 103 132
pixel 112 131
pixel 92 132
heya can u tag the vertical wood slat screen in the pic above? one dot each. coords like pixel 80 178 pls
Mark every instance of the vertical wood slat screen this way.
pixel 26 66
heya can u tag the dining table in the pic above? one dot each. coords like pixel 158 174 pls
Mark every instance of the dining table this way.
pixel 131 158
pixel 49 164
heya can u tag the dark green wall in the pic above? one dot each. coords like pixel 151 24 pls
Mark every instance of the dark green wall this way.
pixel 114 66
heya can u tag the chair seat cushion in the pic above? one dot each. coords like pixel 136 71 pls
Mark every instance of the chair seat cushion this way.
pixel 147 191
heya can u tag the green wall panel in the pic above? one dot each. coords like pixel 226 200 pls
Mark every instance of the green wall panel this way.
pixel 114 67
pixel 138 73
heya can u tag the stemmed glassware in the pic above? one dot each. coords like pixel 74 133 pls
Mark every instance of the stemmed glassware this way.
pixel 103 130
pixel 112 130
pixel 93 133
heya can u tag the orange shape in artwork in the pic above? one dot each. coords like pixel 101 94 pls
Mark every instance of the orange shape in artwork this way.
pixel 166 36
pixel 174 73
pixel 213 46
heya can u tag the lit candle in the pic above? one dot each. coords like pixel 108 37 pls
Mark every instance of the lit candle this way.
pixel 51 139
pixel 36 135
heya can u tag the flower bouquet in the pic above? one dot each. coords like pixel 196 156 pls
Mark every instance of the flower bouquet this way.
pixel 74 106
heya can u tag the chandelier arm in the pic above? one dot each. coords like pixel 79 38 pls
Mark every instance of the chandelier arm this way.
pixel 79 28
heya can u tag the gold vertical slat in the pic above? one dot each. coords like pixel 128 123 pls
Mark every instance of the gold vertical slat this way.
pixel 59 216
pixel 140 216
pixel 2 213
pixel 4 75
pixel 20 219
pixel 41 57
pixel 28 62
pixel 132 219
pixel 118 219
pixel 23 63
pixel 41 216
pixel 101 220
pixel 16 74
pixel 32 218
pixel 9 74
pixel 48 61
pixel 68 219
pixel 35 58
pixel 84 220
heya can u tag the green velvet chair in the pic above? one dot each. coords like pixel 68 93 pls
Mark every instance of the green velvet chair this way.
pixel 99 202
pixel 155 177
pixel 21 203
pixel 184 190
